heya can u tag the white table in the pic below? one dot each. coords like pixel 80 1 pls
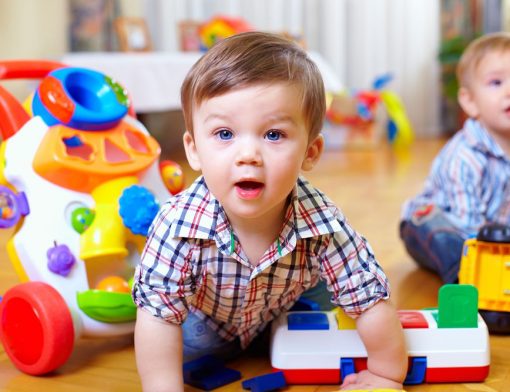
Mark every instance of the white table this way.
pixel 154 79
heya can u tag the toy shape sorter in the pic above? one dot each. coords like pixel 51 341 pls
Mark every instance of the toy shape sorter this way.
pixel 447 344
pixel 81 182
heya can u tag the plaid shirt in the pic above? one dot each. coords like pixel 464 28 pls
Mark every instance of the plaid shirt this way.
pixel 187 264
pixel 469 180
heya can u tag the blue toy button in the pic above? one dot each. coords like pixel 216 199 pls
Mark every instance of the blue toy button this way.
pixel 138 207
pixel 307 321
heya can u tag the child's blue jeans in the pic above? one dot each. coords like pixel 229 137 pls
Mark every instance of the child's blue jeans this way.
pixel 199 339
pixel 434 243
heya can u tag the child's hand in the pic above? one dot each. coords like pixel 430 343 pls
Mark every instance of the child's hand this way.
pixel 367 380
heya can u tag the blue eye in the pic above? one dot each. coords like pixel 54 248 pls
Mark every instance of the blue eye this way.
pixel 224 134
pixel 273 135
pixel 495 82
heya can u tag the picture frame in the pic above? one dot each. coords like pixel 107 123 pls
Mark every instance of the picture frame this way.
pixel 189 34
pixel 91 25
pixel 133 34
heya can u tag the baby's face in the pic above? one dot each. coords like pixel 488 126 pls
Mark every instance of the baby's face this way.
pixel 490 92
pixel 250 145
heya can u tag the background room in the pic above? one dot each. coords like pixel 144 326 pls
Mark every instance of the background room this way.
pixel 356 41
pixel 388 67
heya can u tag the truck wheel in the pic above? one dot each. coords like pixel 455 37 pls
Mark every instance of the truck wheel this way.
pixel 497 322
pixel 494 232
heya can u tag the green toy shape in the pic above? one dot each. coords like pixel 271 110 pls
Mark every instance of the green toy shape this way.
pixel 458 306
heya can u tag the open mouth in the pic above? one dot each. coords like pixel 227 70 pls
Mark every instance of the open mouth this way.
pixel 249 189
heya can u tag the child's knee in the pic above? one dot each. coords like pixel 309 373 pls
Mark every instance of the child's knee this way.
pixel 433 242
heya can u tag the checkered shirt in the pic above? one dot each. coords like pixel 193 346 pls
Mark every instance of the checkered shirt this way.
pixel 187 264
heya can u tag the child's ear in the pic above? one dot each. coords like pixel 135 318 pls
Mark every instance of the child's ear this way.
pixel 313 153
pixel 191 151
pixel 467 102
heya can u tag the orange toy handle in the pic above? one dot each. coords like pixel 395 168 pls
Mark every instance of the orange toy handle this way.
pixel 12 114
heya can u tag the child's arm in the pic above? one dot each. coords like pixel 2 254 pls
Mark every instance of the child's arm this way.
pixel 158 347
pixel 381 332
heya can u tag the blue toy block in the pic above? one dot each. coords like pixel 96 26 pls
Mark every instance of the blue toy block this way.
pixel 265 383
pixel 307 321
pixel 208 373
pixel 346 367
pixel 416 372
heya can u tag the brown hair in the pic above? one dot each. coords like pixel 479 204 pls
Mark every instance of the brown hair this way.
pixel 476 51
pixel 251 58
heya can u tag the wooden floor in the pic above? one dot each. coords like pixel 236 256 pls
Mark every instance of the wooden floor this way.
pixel 369 186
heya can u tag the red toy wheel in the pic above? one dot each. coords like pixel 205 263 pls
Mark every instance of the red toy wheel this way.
pixel 36 328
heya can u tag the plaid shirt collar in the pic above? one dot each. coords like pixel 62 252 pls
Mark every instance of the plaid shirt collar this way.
pixel 310 214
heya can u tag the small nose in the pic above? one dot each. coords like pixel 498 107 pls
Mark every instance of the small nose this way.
pixel 248 153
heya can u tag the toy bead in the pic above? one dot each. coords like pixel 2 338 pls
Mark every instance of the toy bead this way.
pixel 60 259
pixel 82 218
pixel 114 284
pixel 138 207
pixel 172 175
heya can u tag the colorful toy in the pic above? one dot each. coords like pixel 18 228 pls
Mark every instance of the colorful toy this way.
pixel 485 264
pixel 220 27
pixel 448 344
pixel 172 176
pixel 359 115
pixel 80 185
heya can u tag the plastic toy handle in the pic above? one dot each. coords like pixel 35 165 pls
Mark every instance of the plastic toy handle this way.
pixel 12 114
pixel 27 69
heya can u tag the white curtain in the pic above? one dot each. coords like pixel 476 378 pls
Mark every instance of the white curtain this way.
pixel 361 39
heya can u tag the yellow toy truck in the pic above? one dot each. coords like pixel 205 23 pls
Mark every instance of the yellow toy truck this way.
pixel 485 263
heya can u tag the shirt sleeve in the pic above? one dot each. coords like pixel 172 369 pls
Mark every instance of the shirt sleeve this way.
pixel 163 278
pixel 354 276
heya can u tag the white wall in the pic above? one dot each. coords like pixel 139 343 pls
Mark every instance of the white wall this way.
pixel 32 29
pixel 361 39
pixel 401 37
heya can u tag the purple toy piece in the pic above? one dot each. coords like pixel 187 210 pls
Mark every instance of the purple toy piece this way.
pixel 60 259
pixel 13 206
